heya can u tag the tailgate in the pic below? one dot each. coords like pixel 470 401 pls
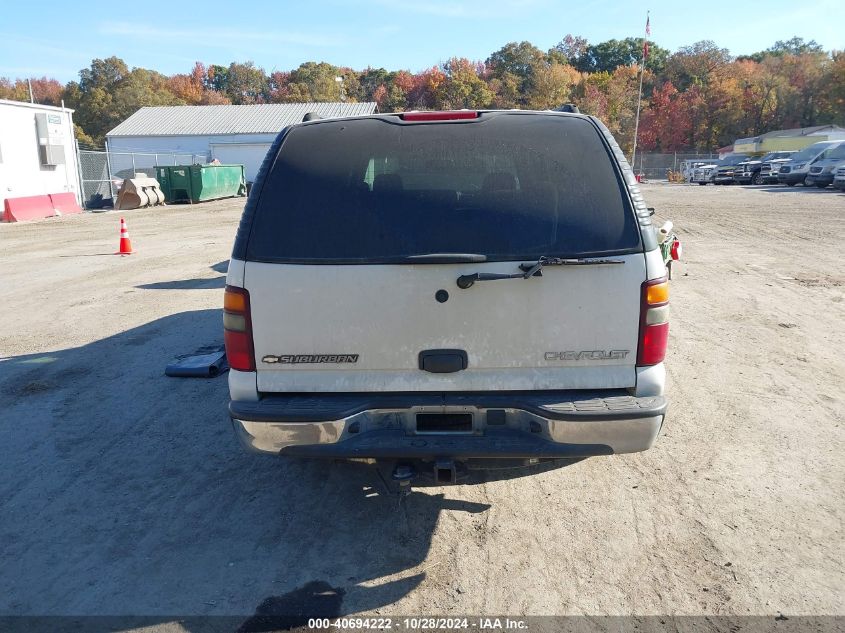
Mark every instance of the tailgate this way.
pixel 352 328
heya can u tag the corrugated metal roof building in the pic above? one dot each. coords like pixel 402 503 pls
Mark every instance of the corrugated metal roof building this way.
pixel 233 134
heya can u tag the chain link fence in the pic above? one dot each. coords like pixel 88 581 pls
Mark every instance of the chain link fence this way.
pixel 97 188
pixel 101 172
pixel 654 166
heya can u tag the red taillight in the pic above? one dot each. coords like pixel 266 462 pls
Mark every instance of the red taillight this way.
pixel 449 115
pixel 237 329
pixel 653 344
pixel 654 322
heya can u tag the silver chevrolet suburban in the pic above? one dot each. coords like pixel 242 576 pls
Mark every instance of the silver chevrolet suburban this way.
pixel 444 288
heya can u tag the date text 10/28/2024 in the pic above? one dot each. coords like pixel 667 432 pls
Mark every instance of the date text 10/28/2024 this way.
pixel 418 624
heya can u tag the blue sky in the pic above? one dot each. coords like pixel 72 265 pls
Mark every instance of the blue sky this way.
pixel 56 38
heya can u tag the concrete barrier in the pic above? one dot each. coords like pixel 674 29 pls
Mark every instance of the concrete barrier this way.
pixel 39 207
pixel 65 203
pixel 27 208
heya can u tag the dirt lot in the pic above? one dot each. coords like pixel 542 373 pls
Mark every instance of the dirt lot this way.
pixel 124 492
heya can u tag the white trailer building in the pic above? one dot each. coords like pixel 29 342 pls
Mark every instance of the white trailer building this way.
pixel 37 159
pixel 232 134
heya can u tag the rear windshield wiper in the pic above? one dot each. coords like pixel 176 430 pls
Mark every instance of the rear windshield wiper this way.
pixel 533 270
pixel 447 258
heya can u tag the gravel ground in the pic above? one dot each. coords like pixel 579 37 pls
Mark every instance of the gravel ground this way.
pixel 124 492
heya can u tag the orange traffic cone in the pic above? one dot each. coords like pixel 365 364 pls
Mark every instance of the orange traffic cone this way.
pixel 125 242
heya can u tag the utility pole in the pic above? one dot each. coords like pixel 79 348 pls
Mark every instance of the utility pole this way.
pixel 339 81
pixel 640 97
pixel 29 83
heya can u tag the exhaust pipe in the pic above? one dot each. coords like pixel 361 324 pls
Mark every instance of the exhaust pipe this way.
pixel 445 471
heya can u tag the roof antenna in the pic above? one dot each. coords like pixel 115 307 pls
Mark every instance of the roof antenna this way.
pixel 311 116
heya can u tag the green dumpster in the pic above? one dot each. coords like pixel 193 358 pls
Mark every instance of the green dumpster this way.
pixel 198 183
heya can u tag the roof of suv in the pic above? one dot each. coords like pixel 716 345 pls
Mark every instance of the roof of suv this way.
pixel 448 115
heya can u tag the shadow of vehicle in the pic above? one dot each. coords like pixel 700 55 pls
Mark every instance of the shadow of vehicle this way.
pixel 201 283
pixel 785 189
pixel 125 493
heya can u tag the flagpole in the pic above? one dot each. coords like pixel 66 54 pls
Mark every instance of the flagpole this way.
pixel 640 97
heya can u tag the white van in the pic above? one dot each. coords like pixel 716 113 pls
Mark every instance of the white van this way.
pixel 822 169
pixel 444 287
pixel 797 168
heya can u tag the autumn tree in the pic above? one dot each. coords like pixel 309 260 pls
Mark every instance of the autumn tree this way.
pixel 245 83
pixel 666 124
pixel 572 48
pixel 609 55
pixel 84 140
pixel 369 80
pixel 807 75
pixel 696 98
pixel 380 96
pixel 396 101
pixel 612 97
pixel 793 46
pixel 515 58
pixel 696 64
pixel 212 97
pixel 196 88
pixel 315 82
pixel 552 84
pixel 7 90
pixel 108 93
pixel 429 86
pixel 832 96
pixel 44 91
pixel 278 87
pixel 402 94
pixel 510 72
pixel 507 91
pixel 185 89
pixel 463 87
pixel 217 78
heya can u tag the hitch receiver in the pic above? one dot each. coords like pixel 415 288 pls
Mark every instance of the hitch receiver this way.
pixel 445 471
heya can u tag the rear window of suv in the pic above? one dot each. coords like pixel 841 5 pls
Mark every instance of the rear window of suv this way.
pixel 506 186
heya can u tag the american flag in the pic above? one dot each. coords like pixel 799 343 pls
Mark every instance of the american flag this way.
pixel 647 33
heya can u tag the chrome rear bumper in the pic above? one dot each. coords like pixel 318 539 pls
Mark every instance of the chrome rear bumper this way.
pixel 523 425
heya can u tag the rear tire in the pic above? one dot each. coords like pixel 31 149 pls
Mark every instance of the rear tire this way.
pixel 807 182
pixel 757 179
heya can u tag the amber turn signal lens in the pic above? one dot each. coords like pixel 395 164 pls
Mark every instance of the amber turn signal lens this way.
pixel 658 293
pixel 234 302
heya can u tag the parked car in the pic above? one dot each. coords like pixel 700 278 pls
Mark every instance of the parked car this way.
pixel 439 287
pixel 750 171
pixel 797 168
pixel 839 178
pixel 769 168
pixel 703 174
pixel 688 167
pixel 821 171
pixel 725 168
